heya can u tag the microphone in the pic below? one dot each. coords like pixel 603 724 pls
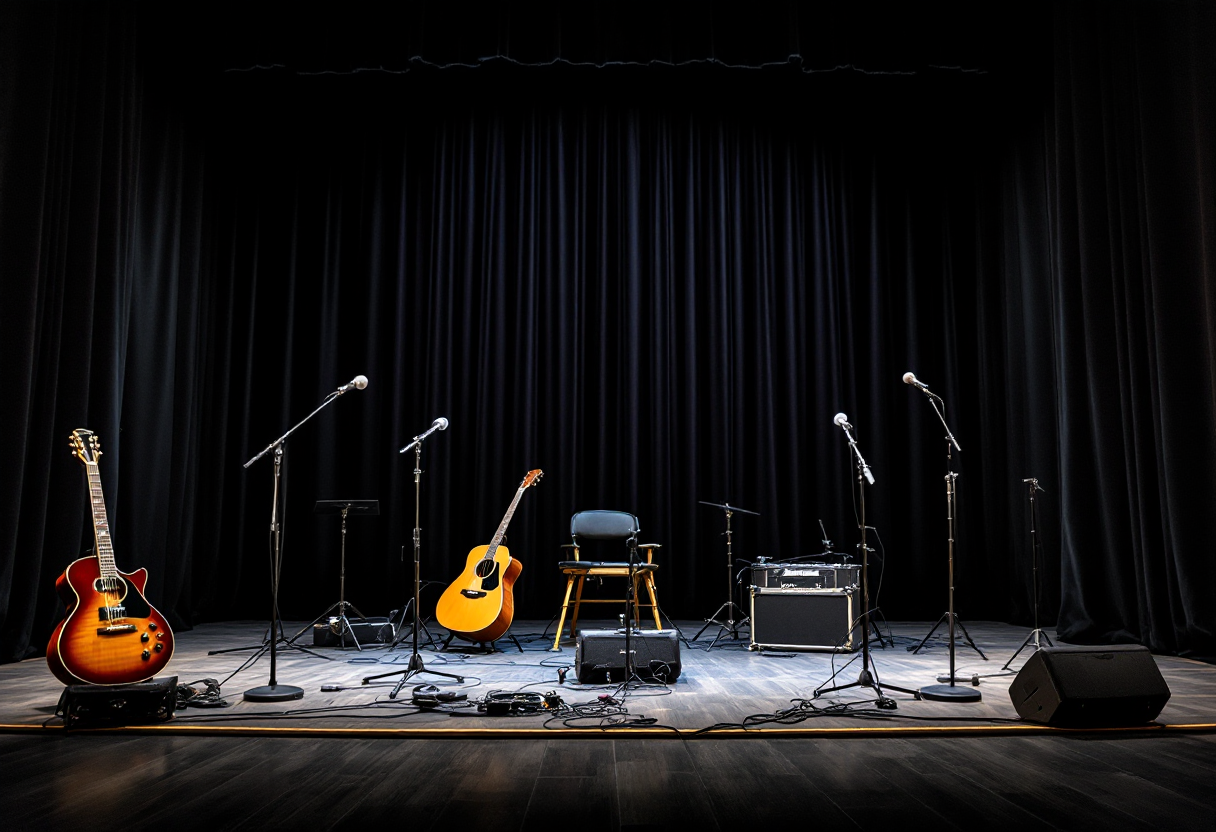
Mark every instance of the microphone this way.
pixel 439 424
pixel 909 378
pixel 843 421
pixel 356 383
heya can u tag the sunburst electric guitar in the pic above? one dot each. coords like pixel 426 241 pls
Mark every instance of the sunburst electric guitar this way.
pixel 111 635
pixel 478 605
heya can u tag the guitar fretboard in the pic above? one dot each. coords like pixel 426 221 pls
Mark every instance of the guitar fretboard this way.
pixel 502 527
pixel 101 526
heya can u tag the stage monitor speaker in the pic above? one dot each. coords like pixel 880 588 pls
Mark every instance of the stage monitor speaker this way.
pixel 599 655
pixel 103 706
pixel 1090 687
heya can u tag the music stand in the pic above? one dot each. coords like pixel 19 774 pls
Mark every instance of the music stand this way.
pixel 345 508
pixel 730 625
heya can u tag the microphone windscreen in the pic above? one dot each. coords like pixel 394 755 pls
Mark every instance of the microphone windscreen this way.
pixel 909 378
pixel 360 382
pixel 840 419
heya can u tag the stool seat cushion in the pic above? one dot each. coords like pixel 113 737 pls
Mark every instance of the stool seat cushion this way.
pixel 585 565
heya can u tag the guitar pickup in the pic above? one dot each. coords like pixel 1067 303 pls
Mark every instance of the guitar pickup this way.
pixel 115 629
pixel 472 593
pixel 111 613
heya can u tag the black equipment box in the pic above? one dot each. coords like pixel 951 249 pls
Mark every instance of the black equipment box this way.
pixel 369 631
pixel 103 706
pixel 805 575
pixel 806 619
pixel 599 655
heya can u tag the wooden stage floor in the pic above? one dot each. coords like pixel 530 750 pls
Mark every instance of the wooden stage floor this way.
pixel 754 747
pixel 725 686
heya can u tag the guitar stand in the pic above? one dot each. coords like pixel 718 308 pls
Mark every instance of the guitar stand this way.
pixel 484 646
pixel 343 507
pixel 727 610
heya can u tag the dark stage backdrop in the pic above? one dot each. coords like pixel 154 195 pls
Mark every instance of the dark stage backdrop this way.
pixel 652 254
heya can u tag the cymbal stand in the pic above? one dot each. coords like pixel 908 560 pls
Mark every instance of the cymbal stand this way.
pixel 728 610
pixel 273 691
pixel 867 678
pixel 949 691
pixel 1036 634
pixel 415 665
pixel 343 507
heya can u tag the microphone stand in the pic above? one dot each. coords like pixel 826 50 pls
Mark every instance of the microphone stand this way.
pixel 1036 633
pixel 415 665
pixel 867 678
pixel 949 691
pixel 273 691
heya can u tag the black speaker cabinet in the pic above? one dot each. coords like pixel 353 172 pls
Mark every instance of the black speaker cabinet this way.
pixel 599 655
pixel 805 619
pixel 1075 687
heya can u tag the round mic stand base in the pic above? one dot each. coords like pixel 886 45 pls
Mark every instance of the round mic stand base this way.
pixel 949 693
pixel 274 693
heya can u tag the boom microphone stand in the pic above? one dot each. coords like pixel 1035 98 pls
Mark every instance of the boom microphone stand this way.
pixel 867 678
pixel 273 691
pixel 949 691
pixel 415 665
pixel 1036 633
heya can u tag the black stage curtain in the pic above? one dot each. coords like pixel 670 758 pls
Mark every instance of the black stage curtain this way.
pixel 650 253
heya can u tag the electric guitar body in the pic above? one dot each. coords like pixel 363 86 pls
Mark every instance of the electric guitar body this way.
pixel 110 635
pixel 479 604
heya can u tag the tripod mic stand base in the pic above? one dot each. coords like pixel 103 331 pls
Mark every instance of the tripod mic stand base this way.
pixel 949 693
pixel 274 693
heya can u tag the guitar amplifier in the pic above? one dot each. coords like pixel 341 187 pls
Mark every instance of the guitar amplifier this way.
pixel 806 619
pixel 805 575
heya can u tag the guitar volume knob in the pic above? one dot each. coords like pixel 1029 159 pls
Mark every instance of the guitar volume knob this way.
pixel 147 654
pixel 144 636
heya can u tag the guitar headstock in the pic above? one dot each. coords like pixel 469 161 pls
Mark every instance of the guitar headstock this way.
pixel 531 478
pixel 85 446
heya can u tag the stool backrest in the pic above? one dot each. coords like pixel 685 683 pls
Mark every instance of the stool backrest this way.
pixel 599 524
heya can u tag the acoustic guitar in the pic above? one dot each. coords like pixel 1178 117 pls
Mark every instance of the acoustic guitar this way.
pixel 111 635
pixel 479 606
